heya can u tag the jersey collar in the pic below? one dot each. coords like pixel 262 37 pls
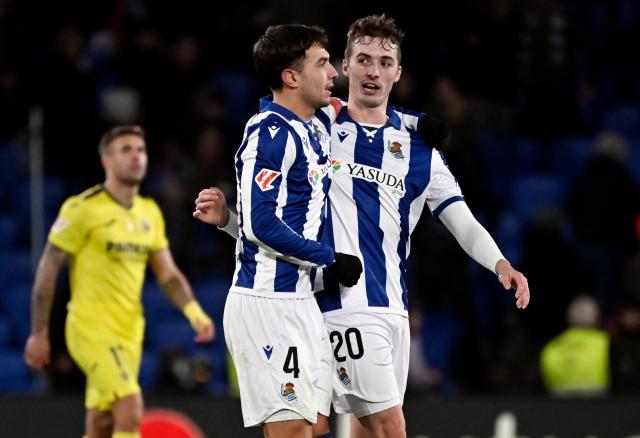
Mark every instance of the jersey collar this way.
pixel 267 104
pixel 394 119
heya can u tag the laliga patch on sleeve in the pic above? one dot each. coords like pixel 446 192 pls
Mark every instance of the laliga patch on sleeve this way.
pixel 265 177
pixel 59 225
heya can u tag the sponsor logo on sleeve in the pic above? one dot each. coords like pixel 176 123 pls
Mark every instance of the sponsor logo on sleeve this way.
pixel 59 225
pixel 265 177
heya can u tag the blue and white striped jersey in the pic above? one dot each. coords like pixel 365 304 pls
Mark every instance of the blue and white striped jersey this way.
pixel 386 174
pixel 281 169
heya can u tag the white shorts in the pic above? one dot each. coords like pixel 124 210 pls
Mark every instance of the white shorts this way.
pixel 281 351
pixel 371 361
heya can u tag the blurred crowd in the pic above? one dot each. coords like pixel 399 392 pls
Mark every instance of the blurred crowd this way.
pixel 543 97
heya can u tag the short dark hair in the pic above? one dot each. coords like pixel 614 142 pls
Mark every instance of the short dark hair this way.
pixel 118 131
pixel 283 46
pixel 374 26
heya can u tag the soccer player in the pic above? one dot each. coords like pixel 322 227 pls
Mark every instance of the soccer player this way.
pixel 387 173
pixel 107 234
pixel 273 326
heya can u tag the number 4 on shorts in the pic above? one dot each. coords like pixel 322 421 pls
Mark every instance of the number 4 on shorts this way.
pixel 291 362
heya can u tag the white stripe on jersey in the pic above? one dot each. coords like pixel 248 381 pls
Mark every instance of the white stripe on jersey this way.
pixel 390 219
pixel 344 213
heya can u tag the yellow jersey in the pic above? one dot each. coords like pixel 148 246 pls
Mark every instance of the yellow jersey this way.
pixel 109 245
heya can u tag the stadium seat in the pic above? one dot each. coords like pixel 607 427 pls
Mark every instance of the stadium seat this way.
pixel 534 193
pixel 570 156
pixel 8 231
pixel 15 375
pixel 212 294
pixel 170 334
pixel 624 119
pixel 156 304
pixel 15 267
pixel 5 333
pixel 16 304
pixel 148 375
pixel 508 235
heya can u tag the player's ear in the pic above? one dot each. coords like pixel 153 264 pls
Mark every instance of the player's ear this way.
pixel 398 74
pixel 289 78
pixel 345 67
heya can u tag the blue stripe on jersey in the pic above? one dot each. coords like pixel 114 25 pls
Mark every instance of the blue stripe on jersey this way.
pixel 329 298
pixel 446 203
pixel 416 182
pixel 247 258
pixel 367 198
pixel 294 216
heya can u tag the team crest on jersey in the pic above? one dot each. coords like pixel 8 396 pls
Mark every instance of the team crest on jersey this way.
pixel 319 134
pixel 288 392
pixel 145 226
pixel 343 376
pixel 265 177
pixel 396 150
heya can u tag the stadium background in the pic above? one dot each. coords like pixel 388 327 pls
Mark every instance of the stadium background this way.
pixel 544 100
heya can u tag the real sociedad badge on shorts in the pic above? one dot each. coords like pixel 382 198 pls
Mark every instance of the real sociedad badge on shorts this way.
pixel 343 376
pixel 288 392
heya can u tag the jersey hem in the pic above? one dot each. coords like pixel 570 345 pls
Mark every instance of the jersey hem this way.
pixel 271 294
pixel 365 309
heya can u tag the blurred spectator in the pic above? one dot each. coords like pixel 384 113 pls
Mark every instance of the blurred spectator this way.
pixel 551 268
pixel 422 376
pixel 576 363
pixel 602 207
pixel 625 342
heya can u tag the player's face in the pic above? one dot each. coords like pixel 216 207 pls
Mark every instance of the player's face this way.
pixel 316 77
pixel 372 70
pixel 126 159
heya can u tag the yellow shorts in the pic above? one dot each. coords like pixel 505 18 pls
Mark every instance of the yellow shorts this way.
pixel 110 366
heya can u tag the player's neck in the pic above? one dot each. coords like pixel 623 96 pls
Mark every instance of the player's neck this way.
pixel 122 193
pixel 293 103
pixel 363 114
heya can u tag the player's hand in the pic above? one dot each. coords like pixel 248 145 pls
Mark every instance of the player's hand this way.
pixel 211 207
pixel 513 279
pixel 437 133
pixel 205 331
pixel 200 322
pixel 37 351
pixel 347 269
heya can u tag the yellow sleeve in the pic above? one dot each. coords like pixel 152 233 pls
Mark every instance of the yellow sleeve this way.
pixel 69 231
pixel 160 240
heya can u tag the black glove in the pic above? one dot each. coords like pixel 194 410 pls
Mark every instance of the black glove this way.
pixel 436 132
pixel 346 268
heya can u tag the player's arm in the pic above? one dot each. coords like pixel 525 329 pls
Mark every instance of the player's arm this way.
pixel 38 349
pixel 175 285
pixel 273 154
pixel 478 243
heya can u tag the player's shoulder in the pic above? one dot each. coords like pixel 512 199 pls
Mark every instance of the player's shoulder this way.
pixel 149 203
pixel 84 199
pixel 404 119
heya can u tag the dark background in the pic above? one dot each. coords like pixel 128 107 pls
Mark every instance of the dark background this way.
pixel 544 100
